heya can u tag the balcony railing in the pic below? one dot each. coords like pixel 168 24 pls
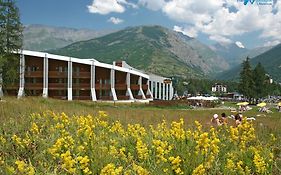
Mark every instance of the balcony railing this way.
pixel 81 85
pixel 148 96
pixel 56 86
pixel 123 97
pixel 81 74
pixel 105 98
pixel 11 87
pixel 120 86
pixel 33 85
pixel 138 96
pixel 34 74
pixel 56 74
pixel 144 86
pixel 103 86
pixel 135 87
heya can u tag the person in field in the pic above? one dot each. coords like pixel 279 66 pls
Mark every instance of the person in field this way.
pixel 215 120
pixel 238 119
pixel 223 119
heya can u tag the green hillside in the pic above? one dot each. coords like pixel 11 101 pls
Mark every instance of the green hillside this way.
pixel 270 60
pixel 151 48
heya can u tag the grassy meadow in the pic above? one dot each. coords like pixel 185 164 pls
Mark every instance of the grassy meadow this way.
pixel 47 136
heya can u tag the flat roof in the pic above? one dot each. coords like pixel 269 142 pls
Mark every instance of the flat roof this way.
pixel 90 61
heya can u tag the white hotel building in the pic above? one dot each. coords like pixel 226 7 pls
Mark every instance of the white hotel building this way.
pixel 62 77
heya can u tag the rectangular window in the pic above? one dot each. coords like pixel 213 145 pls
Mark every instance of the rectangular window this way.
pixel 33 68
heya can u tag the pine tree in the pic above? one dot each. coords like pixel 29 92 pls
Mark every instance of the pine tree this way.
pixel 246 83
pixel 10 41
pixel 260 81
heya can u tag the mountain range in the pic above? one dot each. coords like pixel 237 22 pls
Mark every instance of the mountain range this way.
pixel 270 60
pixel 234 54
pixel 153 49
pixel 41 37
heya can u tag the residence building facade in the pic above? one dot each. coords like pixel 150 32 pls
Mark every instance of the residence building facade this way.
pixel 61 77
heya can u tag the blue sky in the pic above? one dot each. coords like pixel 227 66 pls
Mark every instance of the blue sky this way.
pixel 210 21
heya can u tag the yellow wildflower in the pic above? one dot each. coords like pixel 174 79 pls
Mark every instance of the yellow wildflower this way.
pixel 34 128
pixel 140 170
pixel 110 169
pixel 68 162
pixel 176 162
pixel 142 149
pixel 24 168
pixel 259 163
pixel 199 170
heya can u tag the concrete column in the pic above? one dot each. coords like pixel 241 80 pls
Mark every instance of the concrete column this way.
pixel 149 84
pixel 164 91
pixel 1 83
pixel 45 76
pixel 140 88
pixel 112 83
pixel 22 69
pixel 151 89
pixel 171 91
pixel 128 82
pixel 69 80
pixel 156 90
pixel 93 82
pixel 167 91
pixel 160 91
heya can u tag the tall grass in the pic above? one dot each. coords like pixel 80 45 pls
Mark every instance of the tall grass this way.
pixel 15 116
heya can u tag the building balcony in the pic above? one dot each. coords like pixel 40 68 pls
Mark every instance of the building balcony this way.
pixel 33 86
pixel 11 87
pixel 57 86
pixel 81 75
pixel 120 86
pixel 123 97
pixel 144 86
pixel 138 96
pixel 81 86
pixel 135 87
pixel 102 86
pixel 35 74
pixel 105 98
pixel 56 74
pixel 148 96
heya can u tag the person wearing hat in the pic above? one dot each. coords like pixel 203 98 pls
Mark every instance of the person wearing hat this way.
pixel 215 120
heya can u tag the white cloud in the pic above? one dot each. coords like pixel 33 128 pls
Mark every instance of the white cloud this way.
pixel 115 20
pixel 191 32
pixel 271 43
pixel 211 17
pixel 104 7
pixel 153 4
pixel 239 44
pixel 220 39
pixel 128 3
pixel 214 18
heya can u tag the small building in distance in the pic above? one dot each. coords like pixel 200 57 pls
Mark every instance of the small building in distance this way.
pixel 269 78
pixel 220 88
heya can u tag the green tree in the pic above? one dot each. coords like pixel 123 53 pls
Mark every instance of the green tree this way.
pixel 246 83
pixel 10 41
pixel 260 82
